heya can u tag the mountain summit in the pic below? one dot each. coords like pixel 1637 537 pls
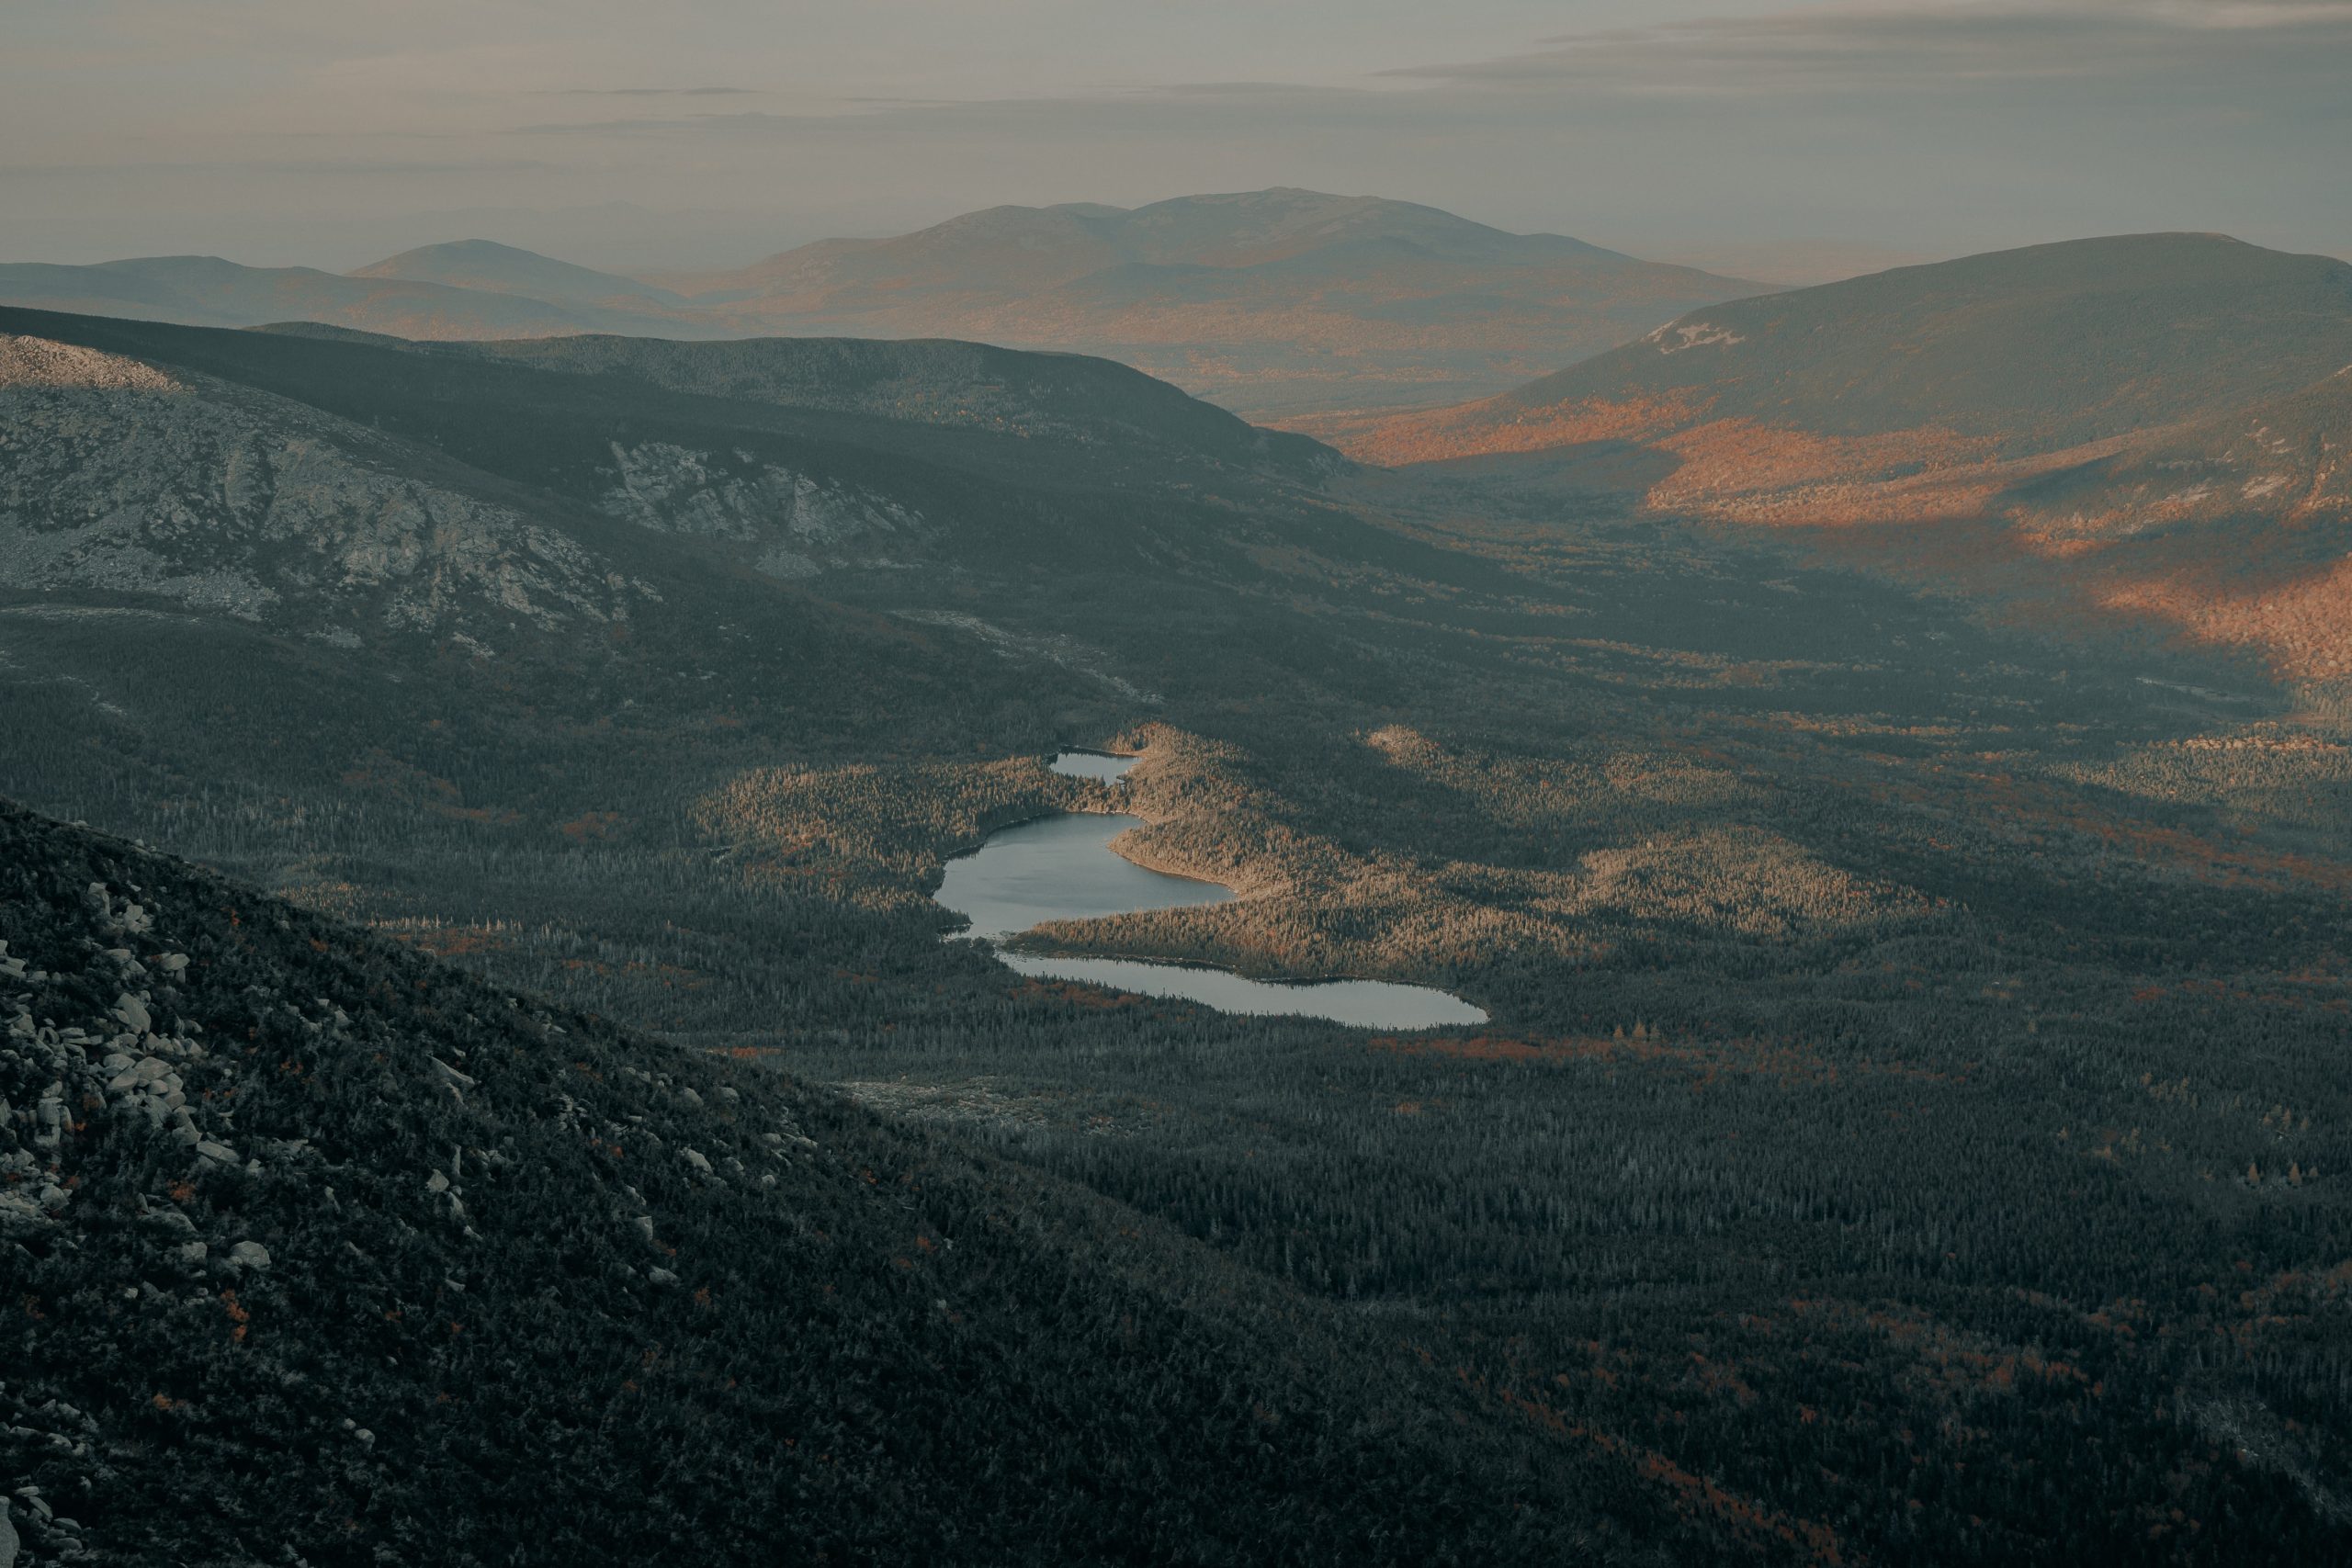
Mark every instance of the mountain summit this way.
pixel 1022 249
pixel 493 268
pixel 1267 300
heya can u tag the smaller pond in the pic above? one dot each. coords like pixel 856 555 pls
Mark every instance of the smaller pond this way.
pixel 1104 765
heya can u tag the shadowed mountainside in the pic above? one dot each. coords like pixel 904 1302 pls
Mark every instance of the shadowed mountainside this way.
pixel 935 382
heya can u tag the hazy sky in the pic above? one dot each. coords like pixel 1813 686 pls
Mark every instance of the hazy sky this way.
pixel 623 133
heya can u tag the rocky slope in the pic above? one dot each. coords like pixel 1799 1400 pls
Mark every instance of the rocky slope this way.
pixel 346 486
pixel 121 477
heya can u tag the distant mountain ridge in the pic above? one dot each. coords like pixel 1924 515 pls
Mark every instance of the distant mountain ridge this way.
pixel 207 291
pixel 1018 249
pixel 1267 300
pixel 494 268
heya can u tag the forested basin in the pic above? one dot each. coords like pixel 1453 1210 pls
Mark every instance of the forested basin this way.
pixel 1063 868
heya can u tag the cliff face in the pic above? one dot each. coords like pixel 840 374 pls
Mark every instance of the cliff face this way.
pixel 122 477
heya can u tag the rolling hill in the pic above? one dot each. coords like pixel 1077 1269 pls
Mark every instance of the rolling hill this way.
pixel 2013 352
pixel 490 267
pixel 2153 419
pixel 576 533
pixel 338 549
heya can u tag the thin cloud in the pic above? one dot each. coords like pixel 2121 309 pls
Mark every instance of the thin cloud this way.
pixel 2265 60
pixel 1926 124
pixel 649 93
pixel 749 119
pixel 1166 108
pixel 1878 49
pixel 339 166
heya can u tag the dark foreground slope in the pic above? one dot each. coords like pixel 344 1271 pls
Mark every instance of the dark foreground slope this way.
pixel 319 1251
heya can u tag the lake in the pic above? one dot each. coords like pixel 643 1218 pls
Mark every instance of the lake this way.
pixel 1060 868
pixel 1063 868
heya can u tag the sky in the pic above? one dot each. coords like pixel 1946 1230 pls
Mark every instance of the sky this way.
pixel 1747 134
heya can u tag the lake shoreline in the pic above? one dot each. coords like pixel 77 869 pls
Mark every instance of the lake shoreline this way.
pixel 1060 866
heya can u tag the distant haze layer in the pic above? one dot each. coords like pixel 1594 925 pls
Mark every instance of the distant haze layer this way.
pixel 1276 302
pixel 710 130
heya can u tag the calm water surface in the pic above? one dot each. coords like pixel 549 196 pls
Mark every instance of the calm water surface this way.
pixel 1367 1004
pixel 1062 868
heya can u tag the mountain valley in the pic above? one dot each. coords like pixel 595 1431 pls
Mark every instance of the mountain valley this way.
pixel 1199 786
pixel 1909 1127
